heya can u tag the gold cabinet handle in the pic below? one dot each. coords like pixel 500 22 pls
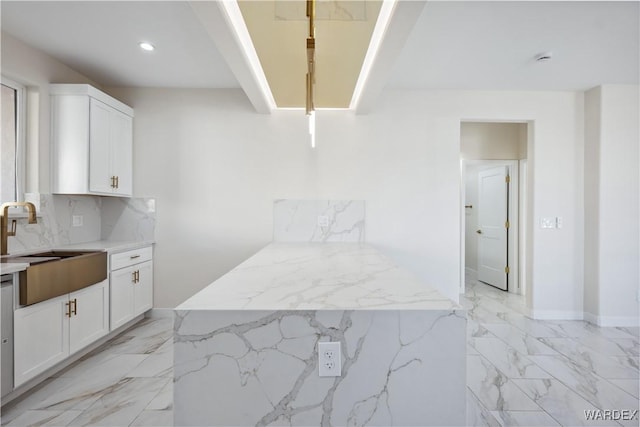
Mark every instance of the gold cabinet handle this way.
pixel 134 256
pixel 75 307
pixel 117 181
pixel 133 278
pixel 68 306
pixel 137 276
pixel 113 181
pixel 479 231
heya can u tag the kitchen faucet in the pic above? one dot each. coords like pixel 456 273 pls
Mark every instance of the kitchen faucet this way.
pixel 4 222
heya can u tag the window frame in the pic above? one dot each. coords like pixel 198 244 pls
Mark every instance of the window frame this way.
pixel 21 127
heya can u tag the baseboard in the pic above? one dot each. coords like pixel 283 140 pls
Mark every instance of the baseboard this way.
pixel 554 314
pixel 609 321
pixel 160 313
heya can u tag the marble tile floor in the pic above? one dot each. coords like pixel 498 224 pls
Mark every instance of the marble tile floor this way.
pixel 520 372
pixel 524 372
pixel 128 381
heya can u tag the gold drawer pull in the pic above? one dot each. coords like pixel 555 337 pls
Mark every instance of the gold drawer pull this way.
pixel 68 305
pixel 134 256
pixel 75 307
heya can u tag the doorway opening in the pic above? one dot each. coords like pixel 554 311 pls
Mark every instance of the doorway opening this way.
pixel 494 171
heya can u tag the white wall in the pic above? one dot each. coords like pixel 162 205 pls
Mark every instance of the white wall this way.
pixel 619 213
pixel 612 245
pixel 493 141
pixel 215 166
pixel 592 120
pixel 36 70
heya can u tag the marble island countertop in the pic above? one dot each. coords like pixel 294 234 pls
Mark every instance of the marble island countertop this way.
pixel 318 276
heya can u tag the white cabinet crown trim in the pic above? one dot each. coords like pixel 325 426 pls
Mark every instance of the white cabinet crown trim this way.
pixel 88 90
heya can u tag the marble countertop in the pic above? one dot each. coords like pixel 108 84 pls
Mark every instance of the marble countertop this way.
pixel 113 246
pixel 318 276
pixel 12 267
pixel 106 245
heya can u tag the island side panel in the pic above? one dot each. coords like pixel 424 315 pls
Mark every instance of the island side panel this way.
pixel 241 368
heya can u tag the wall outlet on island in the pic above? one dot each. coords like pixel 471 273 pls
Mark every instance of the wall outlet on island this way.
pixel 329 359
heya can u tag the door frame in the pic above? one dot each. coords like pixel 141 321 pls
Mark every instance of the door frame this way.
pixel 514 254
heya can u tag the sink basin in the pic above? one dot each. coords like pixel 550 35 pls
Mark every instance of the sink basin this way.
pixel 29 259
pixel 54 273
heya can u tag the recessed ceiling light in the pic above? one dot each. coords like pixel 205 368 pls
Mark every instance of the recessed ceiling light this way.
pixel 146 46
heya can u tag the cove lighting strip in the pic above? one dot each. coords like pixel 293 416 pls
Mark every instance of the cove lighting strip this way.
pixel 386 12
pixel 242 33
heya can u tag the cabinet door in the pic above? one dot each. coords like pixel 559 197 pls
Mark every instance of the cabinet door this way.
pixel 143 288
pixel 121 152
pixel 100 147
pixel 41 337
pixel 90 315
pixel 121 296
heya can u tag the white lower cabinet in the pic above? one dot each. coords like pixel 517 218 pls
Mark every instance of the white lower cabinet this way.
pixel 89 316
pixel 131 285
pixel 143 288
pixel 47 332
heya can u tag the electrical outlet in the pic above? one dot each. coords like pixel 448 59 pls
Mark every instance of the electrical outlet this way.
pixel 558 222
pixel 323 221
pixel 77 220
pixel 329 359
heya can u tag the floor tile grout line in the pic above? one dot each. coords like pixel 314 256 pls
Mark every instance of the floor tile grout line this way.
pixel 552 376
pixel 609 357
pixel 478 401
pixel 509 379
pixel 515 349
pixel 593 373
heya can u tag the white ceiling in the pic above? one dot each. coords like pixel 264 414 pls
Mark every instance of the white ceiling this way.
pixel 491 45
pixel 100 40
pixel 454 45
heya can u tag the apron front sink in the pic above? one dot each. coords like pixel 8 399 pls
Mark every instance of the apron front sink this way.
pixel 55 273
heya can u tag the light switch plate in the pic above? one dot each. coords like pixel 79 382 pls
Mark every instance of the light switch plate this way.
pixel 558 222
pixel 547 222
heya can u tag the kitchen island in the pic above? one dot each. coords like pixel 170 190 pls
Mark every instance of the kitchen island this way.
pixel 246 346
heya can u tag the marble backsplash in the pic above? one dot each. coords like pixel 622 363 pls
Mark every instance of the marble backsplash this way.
pixel 318 220
pixel 102 219
pixel 128 219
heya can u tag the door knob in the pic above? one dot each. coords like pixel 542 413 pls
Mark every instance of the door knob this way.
pixel 479 231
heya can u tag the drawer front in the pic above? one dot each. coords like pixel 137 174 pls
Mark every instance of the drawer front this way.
pixel 126 259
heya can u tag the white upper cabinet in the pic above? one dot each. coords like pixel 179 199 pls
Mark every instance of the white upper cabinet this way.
pixel 92 139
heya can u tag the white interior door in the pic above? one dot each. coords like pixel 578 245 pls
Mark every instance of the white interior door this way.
pixel 492 230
